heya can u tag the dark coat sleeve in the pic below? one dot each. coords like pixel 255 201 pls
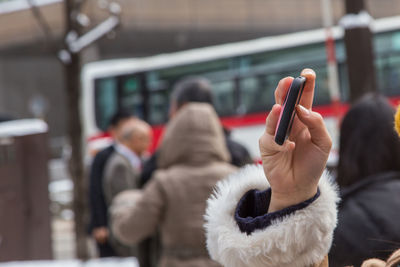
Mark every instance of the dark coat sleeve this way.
pixel 149 167
pixel 252 210
pixel 97 204
pixel 239 154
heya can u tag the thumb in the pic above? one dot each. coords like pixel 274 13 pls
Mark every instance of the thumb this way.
pixel 316 126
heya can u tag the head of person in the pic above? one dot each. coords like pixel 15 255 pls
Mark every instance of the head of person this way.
pixel 136 135
pixel 368 142
pixel 116 122
pixel 191 89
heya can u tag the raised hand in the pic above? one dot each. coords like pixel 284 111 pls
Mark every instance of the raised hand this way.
pixel 293 169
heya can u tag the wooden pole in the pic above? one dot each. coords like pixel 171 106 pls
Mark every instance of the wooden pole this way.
pixel 72 71
pixel 359 49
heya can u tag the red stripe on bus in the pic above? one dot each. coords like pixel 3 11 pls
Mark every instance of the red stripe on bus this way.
pixel 332 110
pixel 259 118
pixel 99 136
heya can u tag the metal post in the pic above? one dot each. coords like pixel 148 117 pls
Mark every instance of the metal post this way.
pixel 333 78
pixel 359 49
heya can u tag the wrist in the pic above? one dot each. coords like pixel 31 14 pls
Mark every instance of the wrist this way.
pixel 281 200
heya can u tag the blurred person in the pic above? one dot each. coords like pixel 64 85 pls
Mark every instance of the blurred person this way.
pixel 192 158
pixel 122 170
pixel 187 90
pixel 198 90
pixel 368 175
pixel 392 261
pixel 97 204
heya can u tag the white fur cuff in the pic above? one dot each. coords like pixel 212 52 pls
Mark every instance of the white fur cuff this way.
pixel 297 240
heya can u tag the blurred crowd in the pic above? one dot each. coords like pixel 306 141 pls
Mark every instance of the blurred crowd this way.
pixel 152 206
pixel 175 181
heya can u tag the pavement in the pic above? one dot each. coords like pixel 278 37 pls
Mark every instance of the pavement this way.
pixel 63 241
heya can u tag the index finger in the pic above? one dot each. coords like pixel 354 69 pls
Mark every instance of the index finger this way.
pixel 308 91
pixel 282 89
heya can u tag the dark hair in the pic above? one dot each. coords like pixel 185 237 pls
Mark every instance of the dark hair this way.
pixel 368 142
pixel 192 89
pixel 118 117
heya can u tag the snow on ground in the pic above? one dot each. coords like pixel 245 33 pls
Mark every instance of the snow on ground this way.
pixel 109 262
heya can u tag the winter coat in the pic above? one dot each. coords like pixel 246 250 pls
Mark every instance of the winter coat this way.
pixel 97 203
pixel 192 158
pixel 239 157
pixel 298 236
pixel 98 207
pixel 369 221
pixel 119 175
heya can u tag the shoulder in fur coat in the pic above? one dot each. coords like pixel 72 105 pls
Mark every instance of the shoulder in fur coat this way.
pixel 300 239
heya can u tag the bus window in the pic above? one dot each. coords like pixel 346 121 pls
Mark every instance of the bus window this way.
pixel 158 105
pixel 159 87
pixel 343 82
pixel 223 93
pixel 254 96
pixel 106 102
pixel 131 98
pixel 388 70
pixel 322 94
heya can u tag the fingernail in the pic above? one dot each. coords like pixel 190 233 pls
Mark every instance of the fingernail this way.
pixel 307 71
pixel 303 110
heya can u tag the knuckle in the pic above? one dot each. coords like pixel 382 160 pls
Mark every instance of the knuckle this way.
pixel 276 94
pixel 329 142
pixel 318 117
pixel 260 141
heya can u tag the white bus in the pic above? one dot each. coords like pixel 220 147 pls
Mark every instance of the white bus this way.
pixel 243 75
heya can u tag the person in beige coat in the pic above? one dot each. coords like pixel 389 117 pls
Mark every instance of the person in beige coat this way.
pixel 193 157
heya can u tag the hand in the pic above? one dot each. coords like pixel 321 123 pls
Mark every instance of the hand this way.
pixel 100 234
pixel 293 169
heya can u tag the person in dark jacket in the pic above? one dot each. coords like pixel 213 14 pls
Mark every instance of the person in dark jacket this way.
pixel 98 208
pixel 368 175
pixel 196 89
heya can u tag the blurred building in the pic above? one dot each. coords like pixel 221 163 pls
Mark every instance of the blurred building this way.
pixel 31 78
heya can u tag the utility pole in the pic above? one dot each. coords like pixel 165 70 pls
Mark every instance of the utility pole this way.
pixel 75 41
pixel 72 82
pixel 359 49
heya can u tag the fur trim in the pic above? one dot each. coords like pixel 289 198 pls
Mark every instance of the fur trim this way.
pixel 298 240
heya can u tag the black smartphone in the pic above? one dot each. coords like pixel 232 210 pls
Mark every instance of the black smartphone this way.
pixel 288 110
